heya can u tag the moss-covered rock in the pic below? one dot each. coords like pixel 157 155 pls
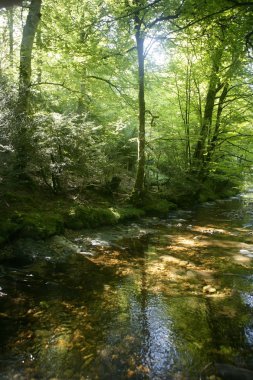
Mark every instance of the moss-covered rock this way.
pixel 79 217
pixel 158 207
pixel 88 217
pixel 218 186
pixel 128 213
pixel 39 225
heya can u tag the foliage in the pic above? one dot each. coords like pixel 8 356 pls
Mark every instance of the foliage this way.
pixel 80 129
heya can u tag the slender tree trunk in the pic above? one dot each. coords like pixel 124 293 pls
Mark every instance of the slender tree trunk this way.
pixel 140 175
pixel 39 48
pixel 22 136
pixel 205 130
pixel 187 115
pixel 214 139
pixel 184 106
pixel 10 16
pixel 25 70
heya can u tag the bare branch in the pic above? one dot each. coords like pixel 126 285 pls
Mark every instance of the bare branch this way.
pixel 166 17
pixel 103 80
pixel 55 84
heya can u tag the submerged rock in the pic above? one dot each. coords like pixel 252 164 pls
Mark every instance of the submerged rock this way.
pixel 246 252
pixel 62 245
pixel 209 289
pixel 27 250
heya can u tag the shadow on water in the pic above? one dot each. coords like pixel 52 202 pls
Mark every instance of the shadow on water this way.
pixel 161 299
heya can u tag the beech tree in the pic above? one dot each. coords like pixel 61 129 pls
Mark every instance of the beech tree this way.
pixel 167 85
pixel 25 70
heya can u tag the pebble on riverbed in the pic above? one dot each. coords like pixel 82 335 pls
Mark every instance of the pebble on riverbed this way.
pixel 209 289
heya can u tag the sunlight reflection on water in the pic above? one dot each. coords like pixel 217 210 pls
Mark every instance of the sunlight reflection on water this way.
pixel 136 309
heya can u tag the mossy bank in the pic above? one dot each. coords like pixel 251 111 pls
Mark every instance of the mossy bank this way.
pixel 38 215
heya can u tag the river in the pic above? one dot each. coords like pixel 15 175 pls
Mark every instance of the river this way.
pixel 154 299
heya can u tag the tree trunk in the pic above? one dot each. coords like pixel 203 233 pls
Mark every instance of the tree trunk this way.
pixel 187 116
pixel 22 136
pixel 205 130
pixel 26 48
pixel 10 15
pixel 140 175
pixel 213 142
pixel 39 49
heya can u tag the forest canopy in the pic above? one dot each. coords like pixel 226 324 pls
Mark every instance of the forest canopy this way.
pixel 137 94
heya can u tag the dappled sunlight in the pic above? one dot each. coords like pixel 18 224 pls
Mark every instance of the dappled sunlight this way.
pixel 114 259
pixel 243 260
pixel 154 301
pixel 210 229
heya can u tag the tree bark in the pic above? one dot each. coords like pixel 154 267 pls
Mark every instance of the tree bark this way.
pixel 22 136
pixel 10 15
pixel 205 130
pixel 26 48
pixel 140 175
pixel 213 142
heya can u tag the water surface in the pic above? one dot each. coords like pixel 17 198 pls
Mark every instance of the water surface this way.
pixel 157 299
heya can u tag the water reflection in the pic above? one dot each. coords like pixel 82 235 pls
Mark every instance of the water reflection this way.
pixel 161 300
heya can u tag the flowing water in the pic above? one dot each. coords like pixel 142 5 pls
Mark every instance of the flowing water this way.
pixel 155 299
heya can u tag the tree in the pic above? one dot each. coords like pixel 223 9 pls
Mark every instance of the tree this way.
pixel 25 71
pixel 144 17
pixel 22 140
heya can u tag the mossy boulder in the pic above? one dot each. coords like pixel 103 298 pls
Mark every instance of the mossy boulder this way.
pixel 158 207
pixel 39 225
pixel 79 217
pixel 62 246
pixel 218 185
pixel 128 213
pixel 88 217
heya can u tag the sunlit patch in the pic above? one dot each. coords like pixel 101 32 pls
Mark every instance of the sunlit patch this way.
pixel 175 248
pixel 186 241
pixel 174 260
pixel 242 259
pixel 115 260
pixel 211 230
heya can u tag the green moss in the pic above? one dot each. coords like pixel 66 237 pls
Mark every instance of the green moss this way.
pixel 101 217
pixel 88 217
pixel 39 225
pixel 85 217
pixel 218 186
pixel 128 213
pixel 158 207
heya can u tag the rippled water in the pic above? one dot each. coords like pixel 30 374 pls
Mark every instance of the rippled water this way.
pixel 158 299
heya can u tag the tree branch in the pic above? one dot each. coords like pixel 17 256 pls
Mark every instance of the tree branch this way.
pixel 243 4
pixel 168 17
pixel 206 17
pixel 77 91
pixel 55 84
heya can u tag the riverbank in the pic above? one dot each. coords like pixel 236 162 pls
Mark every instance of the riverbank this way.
pixel 40 215
pixel 33 212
